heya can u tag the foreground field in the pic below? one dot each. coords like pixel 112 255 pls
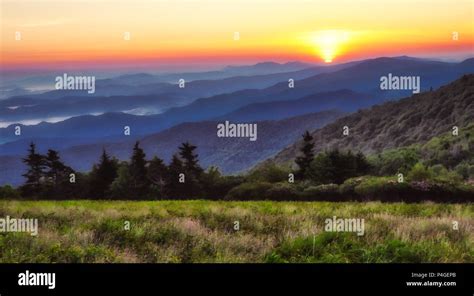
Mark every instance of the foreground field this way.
pixel 204 231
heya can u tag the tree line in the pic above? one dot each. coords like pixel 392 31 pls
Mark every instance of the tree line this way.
pixel 48 177
pixel 331 175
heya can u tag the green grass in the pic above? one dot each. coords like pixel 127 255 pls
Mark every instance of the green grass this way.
pixel 202 231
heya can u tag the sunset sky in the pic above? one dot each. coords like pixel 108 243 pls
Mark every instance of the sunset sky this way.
pixel 91 33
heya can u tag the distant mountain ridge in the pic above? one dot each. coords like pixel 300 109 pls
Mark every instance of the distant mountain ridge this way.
pixel 344 100
pixel 142 90
pixel 360 77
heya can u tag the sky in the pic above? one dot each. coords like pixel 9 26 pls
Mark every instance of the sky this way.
pixel 93 34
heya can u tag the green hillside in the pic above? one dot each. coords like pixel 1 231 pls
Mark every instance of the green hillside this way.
pixel 414 120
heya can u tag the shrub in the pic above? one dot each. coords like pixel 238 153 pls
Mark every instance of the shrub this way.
pixel 348 187
pixel 215 185
pixel 471 171
pixel 8 192
pixel 419 173
pixel 282 191
pixel 329 192
pixel 438 170
pixel 441 191
pixel 395 160
pixel 462 170
pixel 440 174
pixel 389 190
pixel 381 188
pixel 269 172
pixel 249 191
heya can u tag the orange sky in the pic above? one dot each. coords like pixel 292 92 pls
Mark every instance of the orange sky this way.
pixel 91 33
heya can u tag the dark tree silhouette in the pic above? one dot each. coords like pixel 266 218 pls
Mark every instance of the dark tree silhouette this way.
pixel 157 171
pixel 336 167
pixel 35 175
pixel 192 170
pixel 102 175
pixel 57 171
pixel 307 151
pixel 138 172
pixel 173 188
pixel 190 158
pixel 57 176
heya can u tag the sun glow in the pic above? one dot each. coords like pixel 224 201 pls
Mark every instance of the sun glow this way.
pixel 329 43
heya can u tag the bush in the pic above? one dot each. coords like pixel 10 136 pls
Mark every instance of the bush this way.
pixel 269 172
pixel 419 173
pixel 328 192
pixel 389 190
pixel 441 191
pixel 8 192
pixel 440 174
pixel 395 160
pixel 347 189
pixel 438 170
pixel 282 191
pixel 462 170
pixel 471 172
pixel 381 188
pixel 249 191
pixel 216 186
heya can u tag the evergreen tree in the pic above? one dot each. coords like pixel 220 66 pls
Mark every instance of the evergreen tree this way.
pixel 192 170
pixel 57 175
pixel 363 167
pixel 307 150
pixel 120 187
pixel 57 171
pixel 173 188
pixel 191 165
pixel 157 171
pixel 35 173
pixel 102 175
pixel 138 172
pixel 336 167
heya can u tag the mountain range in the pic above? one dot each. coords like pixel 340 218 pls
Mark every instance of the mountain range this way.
pixel 321 96
pixel 147 92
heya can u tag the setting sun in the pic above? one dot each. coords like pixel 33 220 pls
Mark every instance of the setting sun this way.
pixel 329 43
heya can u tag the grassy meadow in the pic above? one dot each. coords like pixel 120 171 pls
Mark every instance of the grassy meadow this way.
pixel 203 231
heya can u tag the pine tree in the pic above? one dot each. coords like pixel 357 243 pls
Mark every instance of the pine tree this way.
pixel 173 188
pixel 305 160
pixel 35 173
pixel 120 187
pixel 191 164
pixel 138 172
pixel 57 175
pixel 156 172
pixel 363 167
pixel 102 175
pixel 192 170
pixel 57 171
